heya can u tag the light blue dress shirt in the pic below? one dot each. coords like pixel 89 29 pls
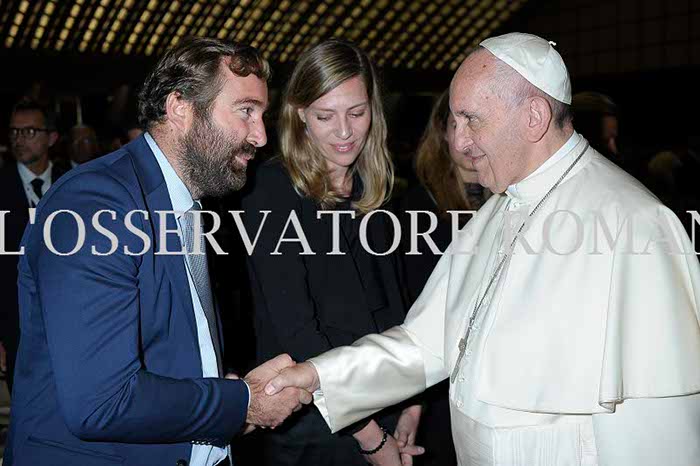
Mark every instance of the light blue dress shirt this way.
pixel 181 199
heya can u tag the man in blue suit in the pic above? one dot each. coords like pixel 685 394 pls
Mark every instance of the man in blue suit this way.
pixel 120 356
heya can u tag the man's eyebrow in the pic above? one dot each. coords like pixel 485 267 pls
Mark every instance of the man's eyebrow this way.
pixel 249 101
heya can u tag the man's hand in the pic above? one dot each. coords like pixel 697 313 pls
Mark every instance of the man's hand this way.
pixel 405 433
pixel 303 376
pixel 271 411
pixel 248 427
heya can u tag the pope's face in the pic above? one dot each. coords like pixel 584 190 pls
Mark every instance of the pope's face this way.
pixel 486 127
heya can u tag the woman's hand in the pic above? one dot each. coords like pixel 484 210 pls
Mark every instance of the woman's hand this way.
pixel 370 438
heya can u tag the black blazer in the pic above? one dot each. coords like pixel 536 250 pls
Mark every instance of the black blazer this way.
pixel 14 200
pixel 308 304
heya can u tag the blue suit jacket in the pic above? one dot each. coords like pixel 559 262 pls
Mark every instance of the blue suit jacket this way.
pixel 109 370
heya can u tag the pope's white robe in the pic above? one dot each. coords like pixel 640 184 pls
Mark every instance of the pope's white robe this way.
pixel 596 305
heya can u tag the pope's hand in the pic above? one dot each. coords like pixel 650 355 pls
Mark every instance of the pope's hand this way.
pixel 271 411
pixel 302 376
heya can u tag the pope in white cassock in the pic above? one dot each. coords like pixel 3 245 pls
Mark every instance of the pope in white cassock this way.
pixel 573 340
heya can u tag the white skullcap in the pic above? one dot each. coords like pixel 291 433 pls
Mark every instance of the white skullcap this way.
pixel 535 60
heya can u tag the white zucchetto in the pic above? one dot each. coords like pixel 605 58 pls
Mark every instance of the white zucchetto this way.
pixel 535 59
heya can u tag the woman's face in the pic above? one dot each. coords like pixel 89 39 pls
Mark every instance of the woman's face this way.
pixel 338 123
pixel 464 163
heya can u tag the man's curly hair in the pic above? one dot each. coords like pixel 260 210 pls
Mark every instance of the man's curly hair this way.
pixel 192 69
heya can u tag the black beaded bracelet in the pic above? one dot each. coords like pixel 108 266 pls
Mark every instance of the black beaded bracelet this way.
pixel 385 434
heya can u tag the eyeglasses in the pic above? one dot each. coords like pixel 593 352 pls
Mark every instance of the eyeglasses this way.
pixel 27 133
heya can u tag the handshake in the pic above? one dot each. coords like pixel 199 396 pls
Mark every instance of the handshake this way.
pixel 278 388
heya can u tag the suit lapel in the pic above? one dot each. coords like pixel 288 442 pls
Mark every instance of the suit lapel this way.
pixel 158 199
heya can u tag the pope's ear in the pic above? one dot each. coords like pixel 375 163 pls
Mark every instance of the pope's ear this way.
pixel 539 118
pixel 178 111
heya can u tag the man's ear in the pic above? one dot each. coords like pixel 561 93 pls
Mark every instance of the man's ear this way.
pixel 539 117
pixel 178 111
pixel 53 137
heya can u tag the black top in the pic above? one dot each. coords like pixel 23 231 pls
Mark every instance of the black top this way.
pixel 306 304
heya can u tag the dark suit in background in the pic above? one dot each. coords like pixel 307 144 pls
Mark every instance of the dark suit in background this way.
pixel 14 200
pixel 308 304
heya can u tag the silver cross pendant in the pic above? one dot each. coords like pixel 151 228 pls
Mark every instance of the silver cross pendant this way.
pixel 462 349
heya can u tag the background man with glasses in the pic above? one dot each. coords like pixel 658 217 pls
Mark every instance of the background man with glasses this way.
pixel 22 184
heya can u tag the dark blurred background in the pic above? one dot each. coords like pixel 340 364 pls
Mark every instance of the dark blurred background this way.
pixel 644 54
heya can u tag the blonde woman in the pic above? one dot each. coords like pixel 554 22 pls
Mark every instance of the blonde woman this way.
pixel 316 284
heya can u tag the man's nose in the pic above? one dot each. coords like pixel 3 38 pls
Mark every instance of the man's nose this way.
pixel 257 136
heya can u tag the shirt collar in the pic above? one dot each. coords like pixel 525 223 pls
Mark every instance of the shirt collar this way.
pixel 180 196
pixel 536 184
pixel 27 175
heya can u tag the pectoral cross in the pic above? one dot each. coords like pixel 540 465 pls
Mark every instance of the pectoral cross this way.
pixel 462 349
pixel 463 342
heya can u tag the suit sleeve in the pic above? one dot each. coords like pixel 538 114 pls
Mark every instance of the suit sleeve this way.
pixel 91 313
pixel 281 290
pixel 381 370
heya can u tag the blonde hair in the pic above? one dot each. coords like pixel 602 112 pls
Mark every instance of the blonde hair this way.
pixel 434 166
pixel 320 70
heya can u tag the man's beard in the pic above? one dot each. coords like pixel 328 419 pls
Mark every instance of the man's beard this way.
pixel 209 162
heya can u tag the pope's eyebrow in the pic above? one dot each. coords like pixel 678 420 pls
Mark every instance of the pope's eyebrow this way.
pixel 466 114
